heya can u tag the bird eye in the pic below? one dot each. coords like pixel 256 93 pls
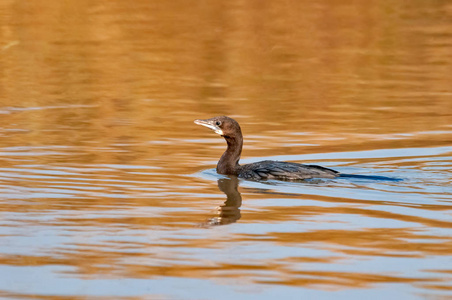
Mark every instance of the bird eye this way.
pixel 218 123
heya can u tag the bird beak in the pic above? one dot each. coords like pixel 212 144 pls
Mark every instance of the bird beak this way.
pixel 209 123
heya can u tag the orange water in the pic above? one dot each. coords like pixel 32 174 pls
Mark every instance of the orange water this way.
pixel 107 188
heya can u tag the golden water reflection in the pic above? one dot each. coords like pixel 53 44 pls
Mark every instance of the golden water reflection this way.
pixel 104 178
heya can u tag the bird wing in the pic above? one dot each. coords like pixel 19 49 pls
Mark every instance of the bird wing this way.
pixel 269 169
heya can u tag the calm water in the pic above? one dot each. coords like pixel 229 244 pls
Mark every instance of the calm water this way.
pixel 107 188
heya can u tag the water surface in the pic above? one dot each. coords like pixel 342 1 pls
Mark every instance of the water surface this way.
pixel 108 189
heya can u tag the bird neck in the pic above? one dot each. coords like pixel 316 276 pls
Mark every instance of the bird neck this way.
pixel 229 161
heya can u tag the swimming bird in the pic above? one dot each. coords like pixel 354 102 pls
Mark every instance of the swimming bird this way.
pixel 228 164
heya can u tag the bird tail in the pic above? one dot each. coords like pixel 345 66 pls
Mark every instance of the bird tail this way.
pixel 370 177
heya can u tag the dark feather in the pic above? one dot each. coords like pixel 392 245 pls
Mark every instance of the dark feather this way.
pixel 270 169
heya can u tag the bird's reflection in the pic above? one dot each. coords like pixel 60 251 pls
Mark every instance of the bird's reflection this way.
pixel 229 212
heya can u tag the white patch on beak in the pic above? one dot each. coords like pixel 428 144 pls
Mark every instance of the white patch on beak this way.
pixel 209 125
